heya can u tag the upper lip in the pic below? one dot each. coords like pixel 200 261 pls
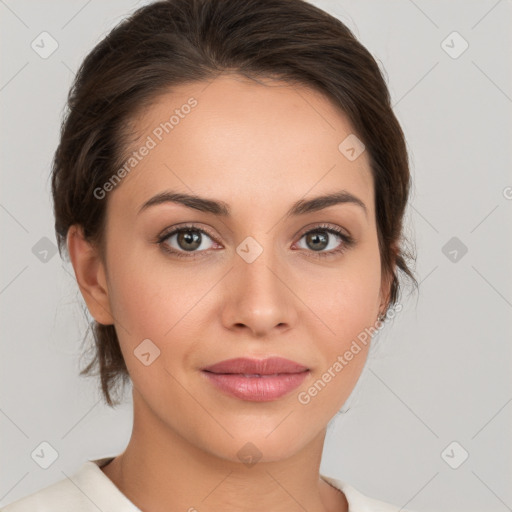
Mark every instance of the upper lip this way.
pixel 269 366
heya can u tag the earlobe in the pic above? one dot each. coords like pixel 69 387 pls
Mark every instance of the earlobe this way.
pixel 90 275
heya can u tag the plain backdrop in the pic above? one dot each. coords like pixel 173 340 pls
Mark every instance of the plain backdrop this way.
pixel 429 423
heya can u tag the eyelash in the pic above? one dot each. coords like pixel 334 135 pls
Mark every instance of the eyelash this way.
pixel 348 241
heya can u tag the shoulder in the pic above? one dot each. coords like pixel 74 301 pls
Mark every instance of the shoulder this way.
pixel 86 490
pixel 58 497
pixel 358 502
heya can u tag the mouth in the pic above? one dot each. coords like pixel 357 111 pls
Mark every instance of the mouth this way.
pixel 270 367
pixel 254 388
pixel 256 380
pixel 255 375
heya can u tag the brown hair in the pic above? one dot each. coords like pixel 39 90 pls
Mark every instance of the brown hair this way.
pixel 172 42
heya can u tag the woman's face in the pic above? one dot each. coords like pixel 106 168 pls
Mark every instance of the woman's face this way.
pixel 253 284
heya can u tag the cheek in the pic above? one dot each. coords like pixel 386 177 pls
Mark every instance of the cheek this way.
pixel 154 298
pixel 346 304
pixel 134 303
pixel 346 312
pixel 346 300
pixel 148 306
pixel 351 305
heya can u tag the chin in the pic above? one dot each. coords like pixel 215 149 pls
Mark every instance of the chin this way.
pixel 256 446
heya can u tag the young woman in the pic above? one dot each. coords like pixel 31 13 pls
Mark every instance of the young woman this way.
pixel 230 186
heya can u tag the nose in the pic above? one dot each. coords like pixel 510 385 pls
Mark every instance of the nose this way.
pixel 259 296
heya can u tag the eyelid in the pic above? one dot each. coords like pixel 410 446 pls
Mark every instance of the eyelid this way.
pixel 321 227
pixel 166 233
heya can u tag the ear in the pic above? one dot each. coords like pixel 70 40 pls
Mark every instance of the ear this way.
pixel 387 281
pixel 90 275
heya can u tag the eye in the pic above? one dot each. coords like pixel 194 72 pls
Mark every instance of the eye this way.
pixel 324 237
pixel 183 240
pixel 189 241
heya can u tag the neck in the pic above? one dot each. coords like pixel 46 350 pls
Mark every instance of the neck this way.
pixel 161 471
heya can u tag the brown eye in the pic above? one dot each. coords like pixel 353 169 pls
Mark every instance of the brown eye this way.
pixel 316 240
pixel 327 241
pixel 187 239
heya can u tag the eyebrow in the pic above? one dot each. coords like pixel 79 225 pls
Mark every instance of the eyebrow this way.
pixel 221 208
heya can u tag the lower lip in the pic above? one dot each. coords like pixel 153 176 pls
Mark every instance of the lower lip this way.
pixel 257 389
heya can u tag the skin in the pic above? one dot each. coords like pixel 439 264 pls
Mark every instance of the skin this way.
pixel 258 147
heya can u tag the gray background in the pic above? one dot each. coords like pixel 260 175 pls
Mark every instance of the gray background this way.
pixel 441 369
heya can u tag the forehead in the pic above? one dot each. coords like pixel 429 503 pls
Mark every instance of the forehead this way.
pixel 232 137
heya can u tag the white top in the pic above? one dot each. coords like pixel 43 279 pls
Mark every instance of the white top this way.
pixel 91 490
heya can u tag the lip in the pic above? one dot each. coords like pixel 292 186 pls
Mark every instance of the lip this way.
pixel 269 366
pixel 256 380
pixel 256 389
